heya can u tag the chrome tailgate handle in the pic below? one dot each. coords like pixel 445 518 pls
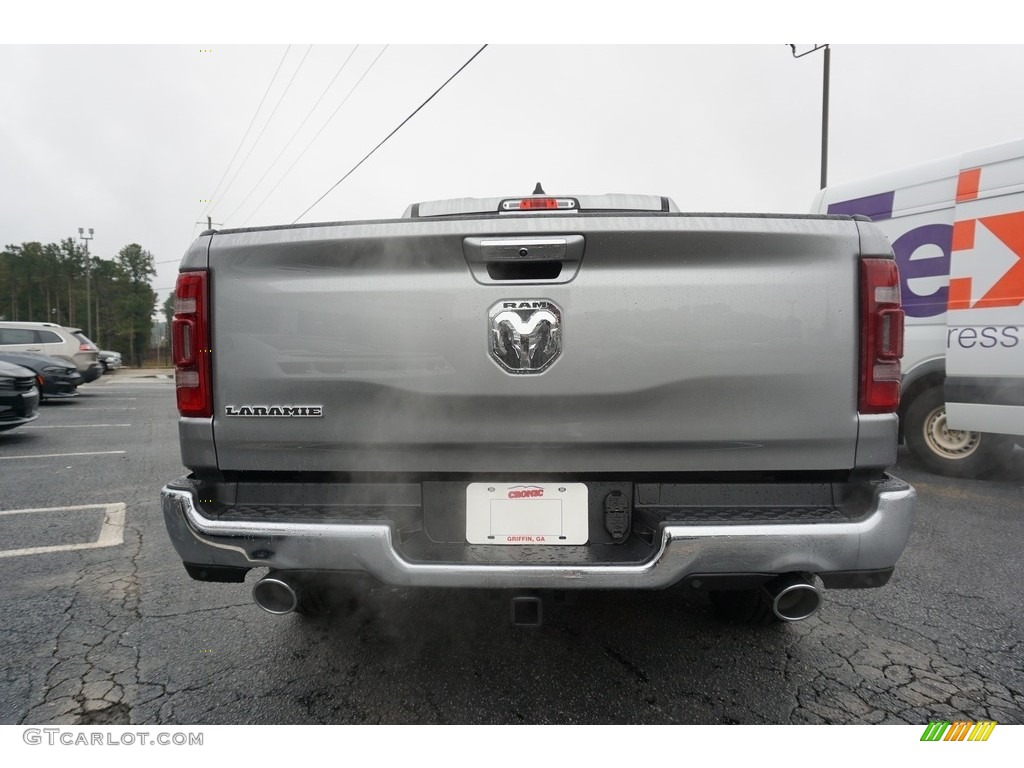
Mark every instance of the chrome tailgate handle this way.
pixel 484 254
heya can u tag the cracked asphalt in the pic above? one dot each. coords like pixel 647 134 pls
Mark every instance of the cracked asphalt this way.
pixel 121 635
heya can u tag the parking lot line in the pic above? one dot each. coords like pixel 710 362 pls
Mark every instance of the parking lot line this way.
pixel 105 408
pixel 61 455
pixel 76 426
pixel 144 385
pixel 116 393
pixel 111 533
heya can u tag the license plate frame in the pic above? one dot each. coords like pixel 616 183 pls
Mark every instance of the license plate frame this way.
pixel 517 514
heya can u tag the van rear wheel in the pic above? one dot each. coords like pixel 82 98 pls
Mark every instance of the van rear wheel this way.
pixel 951 452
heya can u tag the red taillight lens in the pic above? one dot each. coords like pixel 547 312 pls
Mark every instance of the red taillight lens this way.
pixel 537 203
pixel 881 336
pixel 190 345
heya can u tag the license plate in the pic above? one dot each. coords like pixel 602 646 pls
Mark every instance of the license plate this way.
pixel 526 513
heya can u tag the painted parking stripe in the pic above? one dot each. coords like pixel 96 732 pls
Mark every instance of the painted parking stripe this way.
pixel 115 394
pixel 62 455
pixel 105 408
pixel 111 533
pixel 76 426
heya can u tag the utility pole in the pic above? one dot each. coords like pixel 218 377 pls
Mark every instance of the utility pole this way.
pixel 88 290
pixel 824 118
pixel 824 106
pixel 209 222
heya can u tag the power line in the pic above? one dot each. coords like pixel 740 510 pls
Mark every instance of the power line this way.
pixel 269 120
pixel 246 134
pixel 240 143
pixel 411 115
pixel 311 141
pixel 297 130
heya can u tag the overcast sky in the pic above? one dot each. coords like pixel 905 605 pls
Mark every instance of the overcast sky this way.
pixel 132 139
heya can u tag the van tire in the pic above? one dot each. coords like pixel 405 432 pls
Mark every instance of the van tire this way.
pixel 954 453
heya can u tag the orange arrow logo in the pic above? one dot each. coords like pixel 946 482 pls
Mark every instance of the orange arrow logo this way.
pixel 1009 289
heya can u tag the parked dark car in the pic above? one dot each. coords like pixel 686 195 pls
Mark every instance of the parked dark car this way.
pixel 19 397
pixel 56 378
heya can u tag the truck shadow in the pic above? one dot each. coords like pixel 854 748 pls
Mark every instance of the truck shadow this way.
pixel 439 656
pixel 453 656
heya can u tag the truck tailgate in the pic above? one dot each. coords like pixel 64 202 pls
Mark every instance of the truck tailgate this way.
pixel 689 343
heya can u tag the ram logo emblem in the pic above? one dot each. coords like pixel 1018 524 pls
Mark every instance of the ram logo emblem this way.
pixel 525 335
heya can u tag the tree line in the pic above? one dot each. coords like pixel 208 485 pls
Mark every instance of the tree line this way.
pixel 47 283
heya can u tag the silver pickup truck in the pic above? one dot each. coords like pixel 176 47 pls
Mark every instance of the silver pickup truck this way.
pixel 542 393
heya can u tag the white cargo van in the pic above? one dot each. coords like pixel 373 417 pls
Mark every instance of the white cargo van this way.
pixel 957 227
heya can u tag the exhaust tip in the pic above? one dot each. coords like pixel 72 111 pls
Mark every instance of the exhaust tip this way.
pixel 794 598
pixel 275 596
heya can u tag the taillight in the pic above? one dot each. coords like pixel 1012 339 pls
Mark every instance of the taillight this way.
pixel 190 345
pixel 881 336
pixel 539 204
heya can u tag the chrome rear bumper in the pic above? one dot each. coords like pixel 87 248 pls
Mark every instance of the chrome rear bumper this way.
pixel 872 542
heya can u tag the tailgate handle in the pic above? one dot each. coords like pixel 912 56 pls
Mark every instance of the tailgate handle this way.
pixel 518 249
pixel 492 259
